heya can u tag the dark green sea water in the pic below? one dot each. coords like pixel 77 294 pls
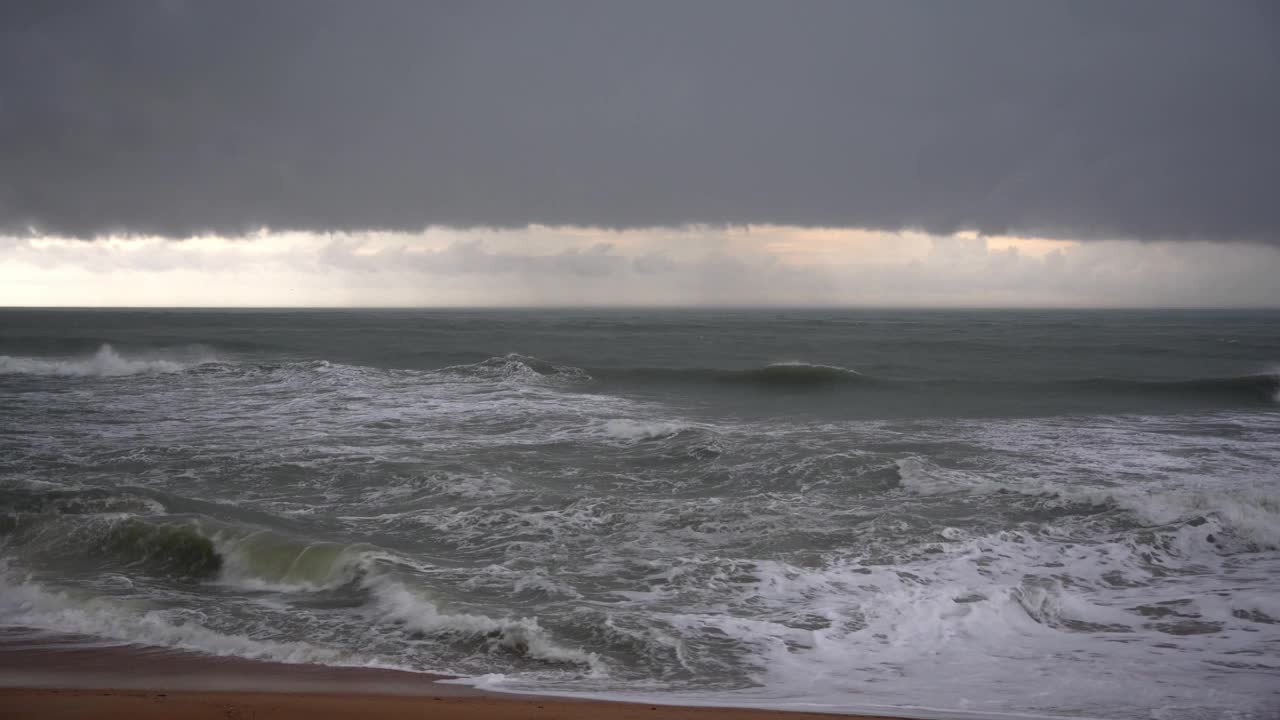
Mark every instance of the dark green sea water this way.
pixel 1038 513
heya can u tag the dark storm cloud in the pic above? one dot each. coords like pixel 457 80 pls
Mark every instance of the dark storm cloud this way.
pixel 1141 119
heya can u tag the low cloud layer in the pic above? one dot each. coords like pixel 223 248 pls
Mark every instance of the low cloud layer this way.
pixel 682 266
pixel 1150 119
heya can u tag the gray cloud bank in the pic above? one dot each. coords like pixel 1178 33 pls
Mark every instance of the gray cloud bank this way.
pixel 1144 119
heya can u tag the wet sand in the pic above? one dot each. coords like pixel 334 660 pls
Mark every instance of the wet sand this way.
pixel 48 677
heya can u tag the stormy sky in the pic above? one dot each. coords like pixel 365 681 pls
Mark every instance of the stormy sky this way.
pixel 458 145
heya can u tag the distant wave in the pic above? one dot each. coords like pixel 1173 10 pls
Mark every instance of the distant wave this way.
pixel 107 362
pixel 517 369
pixel 1262 386
pixel 797 375
pixel 775 375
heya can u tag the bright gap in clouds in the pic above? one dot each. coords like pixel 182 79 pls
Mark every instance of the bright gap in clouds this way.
pixel 757 265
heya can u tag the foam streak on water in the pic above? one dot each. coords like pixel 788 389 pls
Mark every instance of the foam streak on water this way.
pixel 939 515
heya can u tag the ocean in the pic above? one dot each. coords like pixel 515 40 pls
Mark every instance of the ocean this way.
pixel 934 513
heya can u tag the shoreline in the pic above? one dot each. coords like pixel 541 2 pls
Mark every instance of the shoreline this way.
pixel 46 675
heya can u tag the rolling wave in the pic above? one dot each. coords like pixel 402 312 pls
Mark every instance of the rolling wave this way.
pixel 189 548
pixel 800 376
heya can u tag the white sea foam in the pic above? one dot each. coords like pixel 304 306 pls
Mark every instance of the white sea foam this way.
pixel 1241 509
pixel 1004 614
pixel 1243 517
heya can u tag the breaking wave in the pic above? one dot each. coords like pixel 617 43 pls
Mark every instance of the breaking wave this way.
pixel 377 583
pixel 27 602
pixel 394 602
pixel 106 362
pixel 519 369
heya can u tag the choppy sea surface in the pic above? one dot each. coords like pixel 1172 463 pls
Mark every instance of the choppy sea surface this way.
pixel 1063 514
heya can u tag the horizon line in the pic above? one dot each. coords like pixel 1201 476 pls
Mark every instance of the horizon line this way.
pixel 624 307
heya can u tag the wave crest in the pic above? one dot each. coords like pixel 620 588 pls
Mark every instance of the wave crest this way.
pixel 795 375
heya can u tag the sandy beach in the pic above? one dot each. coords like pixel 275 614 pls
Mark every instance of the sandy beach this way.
pixel 67 677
